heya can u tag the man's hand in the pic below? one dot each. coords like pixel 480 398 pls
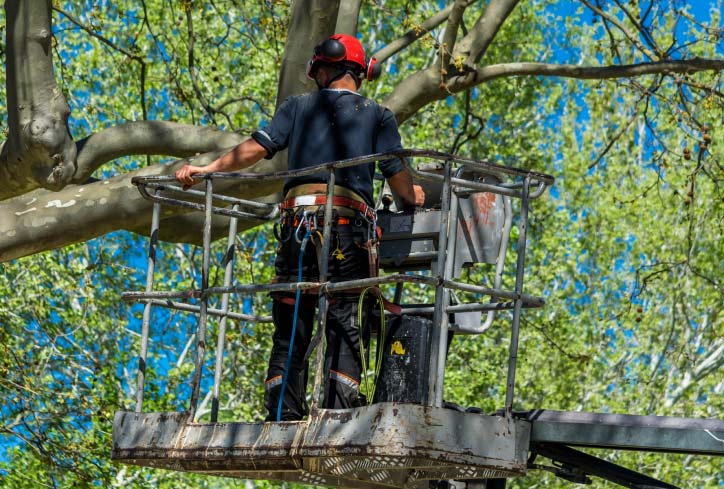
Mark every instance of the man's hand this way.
pixel 419 195
pixel 401 183
pixel 242 156
pixel 186 173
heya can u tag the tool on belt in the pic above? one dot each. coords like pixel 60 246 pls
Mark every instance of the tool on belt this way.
pixel 311 221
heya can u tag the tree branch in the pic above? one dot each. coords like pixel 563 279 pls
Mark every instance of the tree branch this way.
pixel 474 45
pixel 149 138
pixel 640 28
pixel 451 29
pixel 103 39
pixel 192 65
pixel 450 36
pixel 421 88
pixel 414 34
pixel 44 220
pixel 594 72
pixel 629 35
pixel 347 17
pixel 312 21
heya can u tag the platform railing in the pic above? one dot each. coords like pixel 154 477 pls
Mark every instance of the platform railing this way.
pixel 526 185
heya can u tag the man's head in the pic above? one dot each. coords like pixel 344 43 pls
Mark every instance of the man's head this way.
pixel 340 55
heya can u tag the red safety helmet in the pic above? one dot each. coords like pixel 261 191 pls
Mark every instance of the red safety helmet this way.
pixel 346 49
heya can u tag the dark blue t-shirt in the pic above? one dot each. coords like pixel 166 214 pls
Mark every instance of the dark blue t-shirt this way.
pixel 331 125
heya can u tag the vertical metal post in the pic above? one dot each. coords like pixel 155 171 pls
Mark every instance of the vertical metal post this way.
pixel 228 272
pixel 323 303
pixel 434 398
pixel 520 268
pixel 444 319
pixel 201 329
pixel 150 267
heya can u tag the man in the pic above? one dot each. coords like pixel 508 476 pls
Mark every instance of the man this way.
pixel 331 124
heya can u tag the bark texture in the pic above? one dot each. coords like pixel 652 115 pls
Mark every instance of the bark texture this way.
pixel 39 151
pixel 33 223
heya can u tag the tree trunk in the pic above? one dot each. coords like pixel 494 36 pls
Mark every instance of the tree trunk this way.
pixel 39 151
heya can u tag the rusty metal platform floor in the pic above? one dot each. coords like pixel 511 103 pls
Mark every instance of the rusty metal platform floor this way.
pixel 382 445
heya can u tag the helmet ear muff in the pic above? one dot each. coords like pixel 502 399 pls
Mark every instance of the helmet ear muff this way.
pixel 331 50
pixel 374 69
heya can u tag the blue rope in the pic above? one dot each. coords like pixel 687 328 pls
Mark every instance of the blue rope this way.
pixel 288 365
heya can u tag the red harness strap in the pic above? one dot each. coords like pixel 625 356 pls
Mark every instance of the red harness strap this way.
pixel 304 200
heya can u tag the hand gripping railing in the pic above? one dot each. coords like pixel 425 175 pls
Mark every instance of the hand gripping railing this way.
pixel 524 184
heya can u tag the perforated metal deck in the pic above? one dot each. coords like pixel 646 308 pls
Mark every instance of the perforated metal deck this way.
pixel 382 445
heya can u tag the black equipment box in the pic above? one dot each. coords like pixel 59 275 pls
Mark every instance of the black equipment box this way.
pixel 404 369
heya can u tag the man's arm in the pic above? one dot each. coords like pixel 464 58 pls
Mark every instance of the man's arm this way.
pixel 401 184
pixel 242 156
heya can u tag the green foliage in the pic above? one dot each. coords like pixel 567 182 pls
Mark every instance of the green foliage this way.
pixel 626 248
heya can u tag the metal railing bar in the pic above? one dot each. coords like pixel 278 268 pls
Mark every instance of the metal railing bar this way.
pixel 145 322
pixel 221 338
pixel 201 330
pixel 387 279
pixel 321 168
pixel 237 316
pixel 530 300
pixel 439 323
pixel 474 307
pixel 217 197
pixel 462 185
pixel 450 250
pixel 201 207
pixel 241 289
pixel 320 340
pixel 515 330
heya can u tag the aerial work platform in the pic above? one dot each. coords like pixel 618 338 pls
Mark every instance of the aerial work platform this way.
pixel 381 445
pixel 467 218
pixel 405 445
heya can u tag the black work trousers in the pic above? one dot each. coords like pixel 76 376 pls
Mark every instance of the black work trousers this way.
pixel 342 364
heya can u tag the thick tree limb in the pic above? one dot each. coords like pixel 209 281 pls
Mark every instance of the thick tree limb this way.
pixel 473 46
pixel 145 138
pixel 148 138
pixel 44 220
pixel 39 150
pixel 347 17
pixel 414 93
pixel 312 21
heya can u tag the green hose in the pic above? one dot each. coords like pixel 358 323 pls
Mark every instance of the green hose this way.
pixel 380 344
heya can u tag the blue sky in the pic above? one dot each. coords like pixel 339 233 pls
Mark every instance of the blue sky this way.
pixel 700 9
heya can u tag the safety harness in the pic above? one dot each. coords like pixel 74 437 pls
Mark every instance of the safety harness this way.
pixel 305 226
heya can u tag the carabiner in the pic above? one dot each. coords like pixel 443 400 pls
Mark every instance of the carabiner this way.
pixel 308 219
